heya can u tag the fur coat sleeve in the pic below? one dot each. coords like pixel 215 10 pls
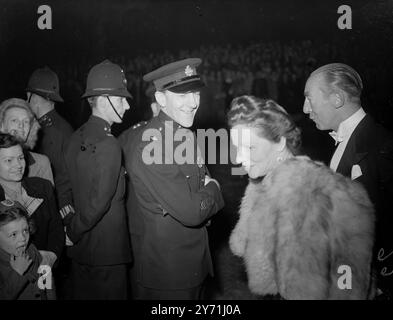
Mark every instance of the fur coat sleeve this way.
pixel 299 226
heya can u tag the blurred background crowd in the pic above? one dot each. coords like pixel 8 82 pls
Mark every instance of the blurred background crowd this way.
pixel 266 48
pixel 274 69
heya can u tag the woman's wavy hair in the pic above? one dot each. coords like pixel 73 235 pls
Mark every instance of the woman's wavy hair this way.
pixel 34 125
pixel 269 117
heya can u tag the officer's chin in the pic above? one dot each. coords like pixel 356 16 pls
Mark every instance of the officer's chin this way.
pixel 118 120
pixel 187 122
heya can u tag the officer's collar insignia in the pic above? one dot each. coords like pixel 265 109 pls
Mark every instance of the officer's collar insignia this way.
pixel 137 125
pixel 45 121
pixel 188 71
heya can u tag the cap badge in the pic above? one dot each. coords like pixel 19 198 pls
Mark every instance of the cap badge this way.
pixel 189 71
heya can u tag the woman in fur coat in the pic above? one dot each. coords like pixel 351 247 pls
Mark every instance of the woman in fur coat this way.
pixel 304 231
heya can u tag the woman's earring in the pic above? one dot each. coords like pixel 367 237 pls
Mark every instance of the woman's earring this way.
pixel 279 159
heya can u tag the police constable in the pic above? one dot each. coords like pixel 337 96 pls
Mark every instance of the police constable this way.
pixel 98 229
pixel 42 94
pixel 175 200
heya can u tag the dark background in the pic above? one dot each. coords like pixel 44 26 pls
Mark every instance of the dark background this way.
pixel 86 32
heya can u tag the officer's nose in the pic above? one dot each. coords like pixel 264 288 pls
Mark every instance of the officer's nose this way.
pixel 193 100
pixel 125 104
pixel 306 107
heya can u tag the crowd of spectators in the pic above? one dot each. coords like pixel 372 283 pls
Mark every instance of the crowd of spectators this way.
pixel 274 69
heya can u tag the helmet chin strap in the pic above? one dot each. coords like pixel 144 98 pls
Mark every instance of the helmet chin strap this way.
pixel 114 108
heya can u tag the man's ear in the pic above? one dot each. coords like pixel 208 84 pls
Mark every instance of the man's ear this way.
pixel 155 108
pixel 338 99
pixel 160 98
pixel 101 104
pixel 99 101
pixel 281 144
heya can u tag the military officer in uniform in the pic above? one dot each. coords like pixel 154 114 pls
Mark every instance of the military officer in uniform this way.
pixel 174 200
pixel 98 229
pixel 126 142
pixel 42 94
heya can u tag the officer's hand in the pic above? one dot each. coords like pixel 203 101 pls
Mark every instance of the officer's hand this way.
pixel 20 263
pixel 208 179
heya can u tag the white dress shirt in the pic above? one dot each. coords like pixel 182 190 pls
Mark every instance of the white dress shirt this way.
pixel 344 132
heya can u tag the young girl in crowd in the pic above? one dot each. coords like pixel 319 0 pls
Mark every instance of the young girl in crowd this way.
pixel 19 260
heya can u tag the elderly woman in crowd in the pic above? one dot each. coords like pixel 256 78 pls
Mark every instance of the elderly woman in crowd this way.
pixel 17 119
pixel 35 194
pixel 304 231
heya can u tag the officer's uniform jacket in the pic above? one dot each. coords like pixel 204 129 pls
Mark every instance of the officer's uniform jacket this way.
pixel 174 207
pixel 127 143
pixel 99 227
pixel 54 137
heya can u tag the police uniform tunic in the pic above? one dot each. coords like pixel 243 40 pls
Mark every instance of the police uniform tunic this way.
pixel 99 227
pixel 54 139
pixel 173 209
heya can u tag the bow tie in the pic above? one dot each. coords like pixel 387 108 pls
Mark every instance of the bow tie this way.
pixel 337 138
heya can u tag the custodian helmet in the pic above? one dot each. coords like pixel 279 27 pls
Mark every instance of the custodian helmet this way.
pixel 45 83
pixel 106 78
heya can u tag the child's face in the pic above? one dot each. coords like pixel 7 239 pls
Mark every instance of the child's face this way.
pixel 14 237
